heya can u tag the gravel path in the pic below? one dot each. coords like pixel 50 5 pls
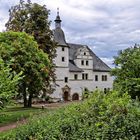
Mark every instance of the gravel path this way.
pixel 12 125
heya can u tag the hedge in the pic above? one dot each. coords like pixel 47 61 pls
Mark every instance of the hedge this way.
pixel 100 117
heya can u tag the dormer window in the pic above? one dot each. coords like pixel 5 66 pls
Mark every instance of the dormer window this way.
pixel 84 53
pixel 86 76
pixel 87 63
pixel 63 49
pixel 82 62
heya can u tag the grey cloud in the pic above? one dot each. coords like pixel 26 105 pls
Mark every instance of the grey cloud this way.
pixel 106 26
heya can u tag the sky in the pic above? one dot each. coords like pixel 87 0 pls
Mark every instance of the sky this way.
pixel 106 26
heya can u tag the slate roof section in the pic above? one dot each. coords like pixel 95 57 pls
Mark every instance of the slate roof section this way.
pixel 98 64
pixel 73 49
pixel 73 67
pixel 59 37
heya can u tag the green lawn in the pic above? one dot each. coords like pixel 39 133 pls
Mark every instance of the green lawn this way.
pixel 15 113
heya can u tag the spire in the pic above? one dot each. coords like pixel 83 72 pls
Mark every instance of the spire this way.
pixel 57 11
pixel 57 20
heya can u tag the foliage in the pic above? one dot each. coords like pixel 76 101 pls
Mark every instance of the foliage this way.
pixel 22 51
pixel 32 18
pixel 102 116
pixel 85 93
pixel 127 71
pixel 8 83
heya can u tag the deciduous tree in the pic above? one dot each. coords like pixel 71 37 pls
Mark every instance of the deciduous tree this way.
pixel 22 51
pixel 32 18
pixel 127 71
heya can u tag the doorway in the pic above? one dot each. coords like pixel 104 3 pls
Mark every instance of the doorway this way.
pixel 75 96
pixel 66 96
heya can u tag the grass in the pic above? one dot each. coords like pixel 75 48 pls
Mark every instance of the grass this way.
pixel 13 114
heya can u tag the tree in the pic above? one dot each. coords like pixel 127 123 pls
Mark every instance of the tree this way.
pixel 8 83
pixel 32 18
pixel 25 56
pixel 127 71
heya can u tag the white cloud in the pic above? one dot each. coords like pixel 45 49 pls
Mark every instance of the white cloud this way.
pixel 108 25
pixel 108 61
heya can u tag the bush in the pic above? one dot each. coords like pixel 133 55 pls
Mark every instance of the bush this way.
pixel 102 116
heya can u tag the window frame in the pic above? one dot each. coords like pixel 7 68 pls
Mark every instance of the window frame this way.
pixel 85 76
pixel 63 49
pixel 87 63
pixel 75 76
pixel 96 78
pixel 63 59
pixel 66 79
pixel 104 77
pixel 82 62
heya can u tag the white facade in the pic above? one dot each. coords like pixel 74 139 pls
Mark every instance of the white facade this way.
pixel 77 68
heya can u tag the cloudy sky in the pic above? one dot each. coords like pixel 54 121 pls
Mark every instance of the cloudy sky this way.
pixel 106 26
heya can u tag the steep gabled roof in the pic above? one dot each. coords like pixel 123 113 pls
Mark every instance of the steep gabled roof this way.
pixel 73 67
pixel 98 64
pixel 73 49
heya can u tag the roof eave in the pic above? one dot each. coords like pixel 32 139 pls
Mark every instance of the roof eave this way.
pixel 97 70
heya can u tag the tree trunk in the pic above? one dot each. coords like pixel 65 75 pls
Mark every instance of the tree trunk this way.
pixel 24 95
pixel 25 99
pixel 30 100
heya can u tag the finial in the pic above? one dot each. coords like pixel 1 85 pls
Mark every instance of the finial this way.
pixel 57 20
pixel 58 11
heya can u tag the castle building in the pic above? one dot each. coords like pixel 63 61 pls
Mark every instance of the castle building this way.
pixel 77 68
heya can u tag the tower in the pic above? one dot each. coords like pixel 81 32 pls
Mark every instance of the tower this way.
pixel 62 58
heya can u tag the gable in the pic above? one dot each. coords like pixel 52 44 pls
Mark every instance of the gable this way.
pixel 82 52
pixel 98 64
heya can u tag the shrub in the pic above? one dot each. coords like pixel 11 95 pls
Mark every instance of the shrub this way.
pixel 102 116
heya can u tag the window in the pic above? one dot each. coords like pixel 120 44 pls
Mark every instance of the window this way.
pixel 82 62
pixel 84 76
pixel 104 77
pixel 96 77
pixel 86 89
pixel 87 63
pixel 66 79
pixel 63 59
pixel 84 53
pixel 63 49
pixel 75 76
pixel 105 90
